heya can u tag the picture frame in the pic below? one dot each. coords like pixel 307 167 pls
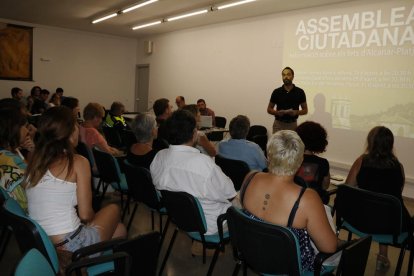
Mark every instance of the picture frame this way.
pixel 16 52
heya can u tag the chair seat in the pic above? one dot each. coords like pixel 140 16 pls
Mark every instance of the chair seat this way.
pixel 101 268
pixel 385 239
pixel 123 184
pixel 215 238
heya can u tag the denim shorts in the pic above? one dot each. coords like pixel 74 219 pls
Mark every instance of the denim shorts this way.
pixel 88 235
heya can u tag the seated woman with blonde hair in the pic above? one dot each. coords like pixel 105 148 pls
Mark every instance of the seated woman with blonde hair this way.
pixel 58 180
pixel 275 198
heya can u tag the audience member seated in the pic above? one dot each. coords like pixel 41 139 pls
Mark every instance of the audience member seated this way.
pixel 181 167
pixel 180 101
pixel 144 128
pixel 205 111
pixel 40 104
pixel 34 95
pixel 241 149
pixel 13 134
pixel 73 104
pixel 114 117
pixel 202 143
pixel 275 198
pixel 379 170
pixel 54 100
pixel 17 94
pixel 314 169
pixel 25 149
pixel 58 180
pixel 162 110
pixel 89 134
pixel 59 91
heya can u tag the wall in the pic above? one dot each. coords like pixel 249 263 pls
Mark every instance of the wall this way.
pixel 91 67
pixel 235 66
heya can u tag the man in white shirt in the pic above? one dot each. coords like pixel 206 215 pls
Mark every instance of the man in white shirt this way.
pixel 183 168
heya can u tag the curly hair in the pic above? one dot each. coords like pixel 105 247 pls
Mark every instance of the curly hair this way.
pixel 313 135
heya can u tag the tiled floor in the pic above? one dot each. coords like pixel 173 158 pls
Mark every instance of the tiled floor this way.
pixel 182 263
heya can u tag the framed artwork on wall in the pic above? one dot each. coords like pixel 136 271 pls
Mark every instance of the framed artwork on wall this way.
pixel 16 52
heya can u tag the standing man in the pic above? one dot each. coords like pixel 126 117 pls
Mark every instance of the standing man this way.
pixel 180 101
pixel 287 100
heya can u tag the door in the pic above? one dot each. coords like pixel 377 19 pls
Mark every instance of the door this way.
pixel 141 88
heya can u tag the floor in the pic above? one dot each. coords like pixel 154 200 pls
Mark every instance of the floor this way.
pixel 181 261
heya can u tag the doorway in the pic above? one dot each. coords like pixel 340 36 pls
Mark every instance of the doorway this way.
pixel 141 88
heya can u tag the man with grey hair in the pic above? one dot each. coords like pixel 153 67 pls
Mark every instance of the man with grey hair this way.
pixel 241 149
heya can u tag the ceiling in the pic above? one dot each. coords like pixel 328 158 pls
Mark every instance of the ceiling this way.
pixel 78 14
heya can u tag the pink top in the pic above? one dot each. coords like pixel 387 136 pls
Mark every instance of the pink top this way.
pixel 91 137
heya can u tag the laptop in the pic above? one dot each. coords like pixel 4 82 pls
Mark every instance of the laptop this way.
pixel 206 122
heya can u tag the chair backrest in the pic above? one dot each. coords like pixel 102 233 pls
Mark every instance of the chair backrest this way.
pixel 29 234
pixel 256 130
pixel 368 212
pixel 107 165
pixel 185 211
pixel 34 263
pixel 354 258
pixel 261 140
pixel 235 169
pixel 140 185
pixel 144 251
pixel 221 121
pixel 112 136
pixel 265 248
pixel 83 150
pixel 127 137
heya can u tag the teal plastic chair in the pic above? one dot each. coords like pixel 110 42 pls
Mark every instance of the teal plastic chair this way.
pixel 35 264
pixel 270 249
pixel 186 213
pixel 29 234
pixel 110 173
pixel 363 213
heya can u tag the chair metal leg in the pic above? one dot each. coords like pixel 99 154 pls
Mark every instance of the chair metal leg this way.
pixel 400 261
pixel 152 219
pixel 164 232
pixel 167 254
pixel 214 260
pixel 410 263
pixel 131 218
pixel 160 222
pixel 236 268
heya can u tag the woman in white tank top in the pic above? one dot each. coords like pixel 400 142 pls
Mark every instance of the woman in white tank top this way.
pixel 58 180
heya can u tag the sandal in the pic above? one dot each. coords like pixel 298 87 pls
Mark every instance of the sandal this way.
pixel 382 262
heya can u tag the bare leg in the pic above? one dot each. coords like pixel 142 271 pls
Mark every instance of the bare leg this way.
pixel 108 222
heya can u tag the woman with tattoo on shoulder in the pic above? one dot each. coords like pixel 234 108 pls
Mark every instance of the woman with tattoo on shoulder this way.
pixel 275 198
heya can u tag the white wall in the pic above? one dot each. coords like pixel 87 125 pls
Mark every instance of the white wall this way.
pixel 91 67
pixel 235 66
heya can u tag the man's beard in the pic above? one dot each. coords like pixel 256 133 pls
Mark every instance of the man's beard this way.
pixel 287 82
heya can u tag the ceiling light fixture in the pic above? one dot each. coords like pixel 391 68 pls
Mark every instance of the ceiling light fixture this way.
pixel 104 18
pixel 147 25
pixel 187 15
pixel 234 4
pixel 138 6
